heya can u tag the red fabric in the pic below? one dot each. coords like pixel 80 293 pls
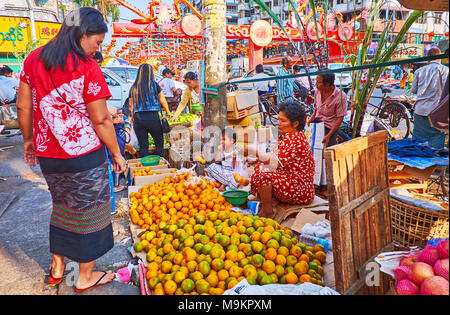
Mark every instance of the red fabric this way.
pixel 293 181
pixel 334 107
pixel 60 131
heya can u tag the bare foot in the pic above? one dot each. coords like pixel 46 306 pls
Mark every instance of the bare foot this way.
pixel 266 212
pixel 95 275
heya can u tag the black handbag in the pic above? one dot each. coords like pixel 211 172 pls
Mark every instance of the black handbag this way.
pixel 164 124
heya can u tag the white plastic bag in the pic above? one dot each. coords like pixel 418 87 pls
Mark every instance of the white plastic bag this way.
pixel 244 288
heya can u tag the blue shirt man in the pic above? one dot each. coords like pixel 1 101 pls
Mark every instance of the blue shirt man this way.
pixel 8 85
pixel 285 87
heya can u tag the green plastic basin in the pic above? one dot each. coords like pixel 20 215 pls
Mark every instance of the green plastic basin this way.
pixel 150 160
pixel 236 197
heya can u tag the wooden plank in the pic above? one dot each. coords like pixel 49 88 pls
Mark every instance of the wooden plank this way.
pixel 360 204
pixel 360 228
pixel 358 144
pixel 346 225
pixel 332 174
pixel 362 271
pixel 353 221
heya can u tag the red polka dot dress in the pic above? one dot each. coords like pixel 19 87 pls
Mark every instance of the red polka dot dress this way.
pixel 292 181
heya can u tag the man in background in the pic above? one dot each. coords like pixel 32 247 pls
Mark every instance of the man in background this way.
pixel 285 87
pixel 8 85
pixel 98 57
pixel 261 86
pixel 428 84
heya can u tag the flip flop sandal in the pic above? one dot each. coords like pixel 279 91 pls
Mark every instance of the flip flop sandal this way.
pixel 51 279
pixel 97 284
pixel 118 188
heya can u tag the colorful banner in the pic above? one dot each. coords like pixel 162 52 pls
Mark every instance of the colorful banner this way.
pixel 408 51
pixel 15 33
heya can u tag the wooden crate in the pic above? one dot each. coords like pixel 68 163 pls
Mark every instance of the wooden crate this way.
pixel 358 189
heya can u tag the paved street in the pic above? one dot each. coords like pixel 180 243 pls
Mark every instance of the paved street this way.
pixel 24 225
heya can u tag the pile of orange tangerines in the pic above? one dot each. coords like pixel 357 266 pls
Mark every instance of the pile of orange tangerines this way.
pixel 195 243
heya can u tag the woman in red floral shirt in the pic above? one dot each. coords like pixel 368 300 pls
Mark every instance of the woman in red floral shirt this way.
pixel 66 126
pixel 287 172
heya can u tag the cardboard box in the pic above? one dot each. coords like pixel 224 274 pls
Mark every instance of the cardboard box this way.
pixel 150 179
pixel 238 114
pixel 250 120
pixel 306 216
pixel 239 100
pixel 241 104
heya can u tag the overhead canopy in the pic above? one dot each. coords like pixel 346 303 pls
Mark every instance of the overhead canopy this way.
pixel 426 5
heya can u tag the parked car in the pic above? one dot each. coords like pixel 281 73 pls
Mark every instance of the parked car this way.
pixel 270 70
pixel 129 74
pixel 118 87
pixel 343 80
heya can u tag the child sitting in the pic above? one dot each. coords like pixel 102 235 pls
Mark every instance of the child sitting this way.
pixel 227 163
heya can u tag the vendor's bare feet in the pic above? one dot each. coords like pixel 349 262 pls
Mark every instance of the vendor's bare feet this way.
pixel 266 212
pixel 95 275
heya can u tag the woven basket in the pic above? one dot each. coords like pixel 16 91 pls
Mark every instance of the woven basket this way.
pixel 414 226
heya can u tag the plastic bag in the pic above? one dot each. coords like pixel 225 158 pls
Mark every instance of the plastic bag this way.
pixel 244 288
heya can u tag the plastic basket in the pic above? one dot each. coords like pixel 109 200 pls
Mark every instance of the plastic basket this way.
pixel 236 197
pixel 150 160
pixel 414 226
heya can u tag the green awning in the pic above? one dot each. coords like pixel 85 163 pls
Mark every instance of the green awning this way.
pixel 11 61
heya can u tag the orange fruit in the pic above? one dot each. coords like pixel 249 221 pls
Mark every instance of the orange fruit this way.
pixel 190 254
pixel 202 286
pixel 280 260
pixel 305 278
pixel 235 271
pixel 213 280
pixel 232 255
pixel 223 274
pixel 291 278
pixel 301 268
pixel 282 250
pixel 271 254
pixel 296 251
pixel 170 287
pixel 320 256
pixel 304 257
pixel 268 266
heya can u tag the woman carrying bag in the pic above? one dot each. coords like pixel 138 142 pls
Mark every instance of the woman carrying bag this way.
pixel 145 102
pixel 66 127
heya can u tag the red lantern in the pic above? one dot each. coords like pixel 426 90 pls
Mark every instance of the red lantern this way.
pixel 431 34
pixel 446 34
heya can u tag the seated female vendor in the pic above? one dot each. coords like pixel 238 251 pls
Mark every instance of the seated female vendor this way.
pixel 286 173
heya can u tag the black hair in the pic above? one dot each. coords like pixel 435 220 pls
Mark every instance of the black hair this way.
pixel 144 85
pixel 294 112
pixel 98 56
pixel 328 78
pixel 230 133
pixel 259 68
pixel 84 20
pixel 191 76
pixel 5 70
pixel 297 67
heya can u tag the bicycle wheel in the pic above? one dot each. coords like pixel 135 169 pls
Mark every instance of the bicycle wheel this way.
pixel 341 136
pixel 395 116
pixel 273 114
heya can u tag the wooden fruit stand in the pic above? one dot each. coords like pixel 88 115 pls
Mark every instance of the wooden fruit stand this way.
pixel 358 188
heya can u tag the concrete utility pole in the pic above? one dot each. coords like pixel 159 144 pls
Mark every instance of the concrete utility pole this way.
pixel 215 69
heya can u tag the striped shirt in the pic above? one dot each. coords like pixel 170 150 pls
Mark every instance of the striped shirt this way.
pixel 285 87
